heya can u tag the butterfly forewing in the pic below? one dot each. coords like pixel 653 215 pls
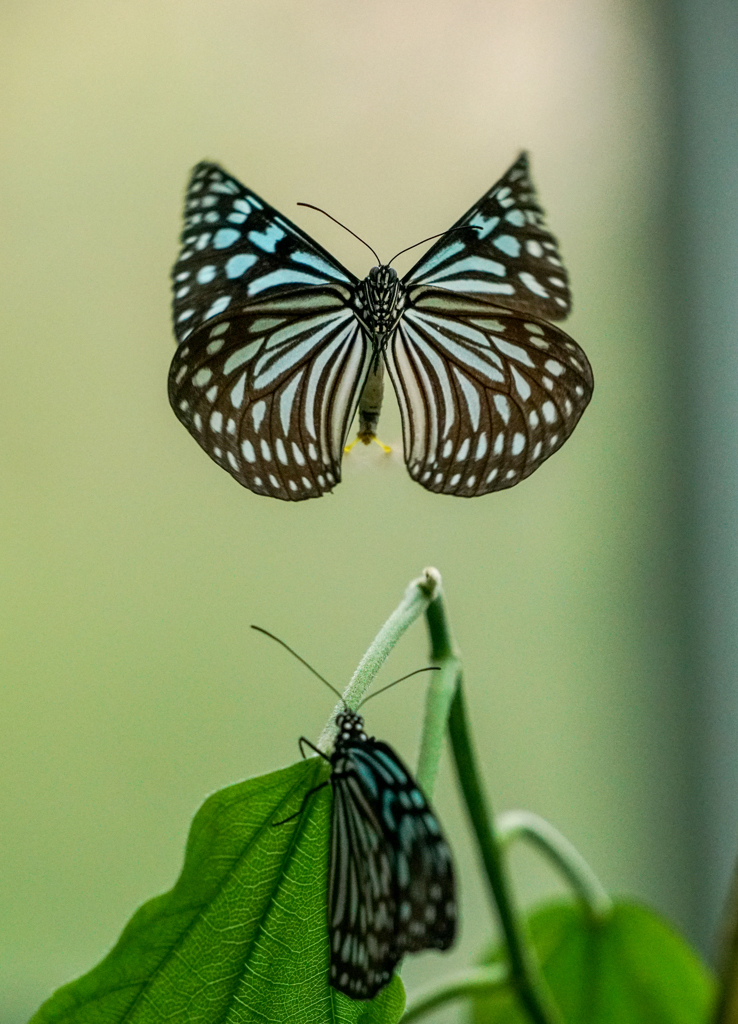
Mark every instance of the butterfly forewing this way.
pixel 391 886
pixel 237 249
pixel 485 395
pixel 501 250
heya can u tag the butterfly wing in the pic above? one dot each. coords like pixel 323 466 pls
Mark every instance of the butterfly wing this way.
pixel 487 388
pixel 391 886
pixel 502 251
pixel 425 888
pixel 271 358
pixel 237 249
pixel 361 903
pixel 485 396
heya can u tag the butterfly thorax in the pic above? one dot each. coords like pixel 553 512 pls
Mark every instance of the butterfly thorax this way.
pixel 379 301
pixel 350 727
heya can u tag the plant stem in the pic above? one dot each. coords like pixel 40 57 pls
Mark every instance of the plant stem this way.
pixel 475 981
pixel 513 825
pixel 525 976
pixel 524 973
pixel 418 596
pixel 726 1006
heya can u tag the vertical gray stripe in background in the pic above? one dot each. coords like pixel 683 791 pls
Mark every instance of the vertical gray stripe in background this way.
pixel 702 275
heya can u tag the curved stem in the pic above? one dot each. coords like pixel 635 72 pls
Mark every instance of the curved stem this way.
pixel 418 596
pixel 513 825
pixel 525 976
pixel 476 981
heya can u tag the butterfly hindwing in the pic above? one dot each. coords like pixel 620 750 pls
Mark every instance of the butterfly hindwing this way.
pixel 502 251
pixel 485 395
pixel 270 393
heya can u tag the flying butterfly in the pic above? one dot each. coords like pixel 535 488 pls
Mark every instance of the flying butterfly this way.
pixel 391 886
pixel 278 345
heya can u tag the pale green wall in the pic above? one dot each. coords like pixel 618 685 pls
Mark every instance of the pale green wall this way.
pixel 133 565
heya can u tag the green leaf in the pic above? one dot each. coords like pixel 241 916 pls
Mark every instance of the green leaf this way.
pixel 630 969
pixel 242 936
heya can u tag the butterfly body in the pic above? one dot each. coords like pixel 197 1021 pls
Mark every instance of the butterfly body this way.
pixel 391 886
pixel 279 345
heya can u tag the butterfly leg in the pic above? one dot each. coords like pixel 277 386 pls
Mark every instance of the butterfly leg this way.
pixel 312 747
pixel 367 438
pixel 301 808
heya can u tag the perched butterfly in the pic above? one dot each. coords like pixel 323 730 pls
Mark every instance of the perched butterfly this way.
pixel 278 344
pixel 391 887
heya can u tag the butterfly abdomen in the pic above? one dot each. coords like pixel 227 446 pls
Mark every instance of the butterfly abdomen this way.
pixel 370 403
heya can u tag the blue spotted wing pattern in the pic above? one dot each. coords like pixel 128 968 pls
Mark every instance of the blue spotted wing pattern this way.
pixel 279 345
pixel 271 358
pixel 501 250
pixel 391 887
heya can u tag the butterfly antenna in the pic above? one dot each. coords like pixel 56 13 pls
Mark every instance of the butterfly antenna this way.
pixel 305 663
pixel 430 668
pixel 429 239
pixel 311 207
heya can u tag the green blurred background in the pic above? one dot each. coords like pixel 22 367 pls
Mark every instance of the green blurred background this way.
pixel 132 565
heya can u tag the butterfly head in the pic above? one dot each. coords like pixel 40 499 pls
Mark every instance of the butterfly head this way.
pixel 350 727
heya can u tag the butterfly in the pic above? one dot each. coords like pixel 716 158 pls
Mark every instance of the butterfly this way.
pixel 278 345
pixel 391 887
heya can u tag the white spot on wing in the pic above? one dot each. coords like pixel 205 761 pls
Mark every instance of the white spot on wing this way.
pixel 239 264
pixel 218 306
pixel 286 401
pixel 281 277
pixel 533 284
pixel 521 384
pixel 257 414
pixel 472 398
pixel 553 367
pixel 225 237
pixel 503 407
pixel 237 392
pixel 266 240
pixel 240 356
pixel 507 244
